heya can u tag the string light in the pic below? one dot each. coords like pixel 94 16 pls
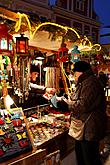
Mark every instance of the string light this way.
pixel 97 47
pixel 19 22
pixel 84 44
pixel 37 27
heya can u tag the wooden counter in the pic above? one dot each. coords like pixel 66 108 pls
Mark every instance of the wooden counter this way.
pixel 62 142
pixel 27 158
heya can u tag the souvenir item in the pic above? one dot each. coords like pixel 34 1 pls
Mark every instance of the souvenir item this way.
pixel 14 139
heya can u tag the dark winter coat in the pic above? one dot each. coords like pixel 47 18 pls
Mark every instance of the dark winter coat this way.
pixel 89 98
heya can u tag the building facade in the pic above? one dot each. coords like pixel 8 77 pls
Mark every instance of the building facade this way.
pixel 78 14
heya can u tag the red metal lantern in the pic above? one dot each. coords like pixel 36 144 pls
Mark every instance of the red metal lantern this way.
pixel 62 53
pixel 22 45
pixel 5 39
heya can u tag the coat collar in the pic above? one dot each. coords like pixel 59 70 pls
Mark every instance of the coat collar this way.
pixel 84 76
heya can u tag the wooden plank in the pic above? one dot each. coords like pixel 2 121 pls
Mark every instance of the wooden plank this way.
pixel 33 159
pixel 8 14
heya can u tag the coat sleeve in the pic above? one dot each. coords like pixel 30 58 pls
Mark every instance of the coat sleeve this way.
pixel 86 101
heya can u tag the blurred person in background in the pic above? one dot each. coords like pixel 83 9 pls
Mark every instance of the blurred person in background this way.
pixel 103 79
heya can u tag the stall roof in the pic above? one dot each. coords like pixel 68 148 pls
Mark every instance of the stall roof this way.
pixel 41 38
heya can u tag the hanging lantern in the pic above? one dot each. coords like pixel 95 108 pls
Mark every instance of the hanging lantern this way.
pixel 5 39
pixel 75 54
pixel 22 45
pixel 63 53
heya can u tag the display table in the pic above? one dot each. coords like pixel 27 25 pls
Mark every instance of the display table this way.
pixel 47 129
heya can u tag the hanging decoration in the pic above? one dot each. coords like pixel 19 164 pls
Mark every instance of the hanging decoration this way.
pixel 86 45
pixel 24 21
pixel 75 54
pixel 22 45
pixel 34 28
pixel 5 40
pixel 63 53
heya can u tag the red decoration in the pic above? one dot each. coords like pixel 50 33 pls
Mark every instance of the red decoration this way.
pixel 5 39
pixel 17 122
pixel 22 45
pixel 1 121
pixel 23 143
pixel 7 140
pixel 62 54
pixel 100 58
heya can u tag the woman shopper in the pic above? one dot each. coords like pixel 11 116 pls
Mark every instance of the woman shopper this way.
pixel 89 98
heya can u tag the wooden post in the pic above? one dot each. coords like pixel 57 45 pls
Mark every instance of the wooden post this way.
pixel 4 85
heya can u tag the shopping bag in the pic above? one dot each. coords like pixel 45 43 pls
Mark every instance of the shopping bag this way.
pixel 76 129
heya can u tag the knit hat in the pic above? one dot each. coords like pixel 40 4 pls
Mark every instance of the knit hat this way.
pixel 81 66
pixel 34 68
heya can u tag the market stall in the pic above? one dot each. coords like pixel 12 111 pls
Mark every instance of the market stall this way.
pixel 24 131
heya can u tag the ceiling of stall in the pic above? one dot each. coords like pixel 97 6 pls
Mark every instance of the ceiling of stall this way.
pixel 42 40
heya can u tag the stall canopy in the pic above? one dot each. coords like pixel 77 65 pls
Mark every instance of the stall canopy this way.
pixel 48 36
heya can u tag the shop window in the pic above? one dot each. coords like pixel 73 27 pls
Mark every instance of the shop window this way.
pixel 80 5
pixel 79 30
pixel 70 4
pixel 86 30
pixel 94 37
pixel 43 19
pixel 37 1
pixel 62 4
pixel 78 27
pixel 63 21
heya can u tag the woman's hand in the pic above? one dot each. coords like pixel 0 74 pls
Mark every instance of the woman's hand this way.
pixel 51 91
pixel 47 96
pixel 59 98
pixel 68 101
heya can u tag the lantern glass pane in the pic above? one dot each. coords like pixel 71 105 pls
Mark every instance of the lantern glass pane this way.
pixel 22 46
pixel 10 45
pixel 3 43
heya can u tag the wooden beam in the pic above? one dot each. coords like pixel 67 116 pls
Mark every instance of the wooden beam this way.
pixel 7 14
